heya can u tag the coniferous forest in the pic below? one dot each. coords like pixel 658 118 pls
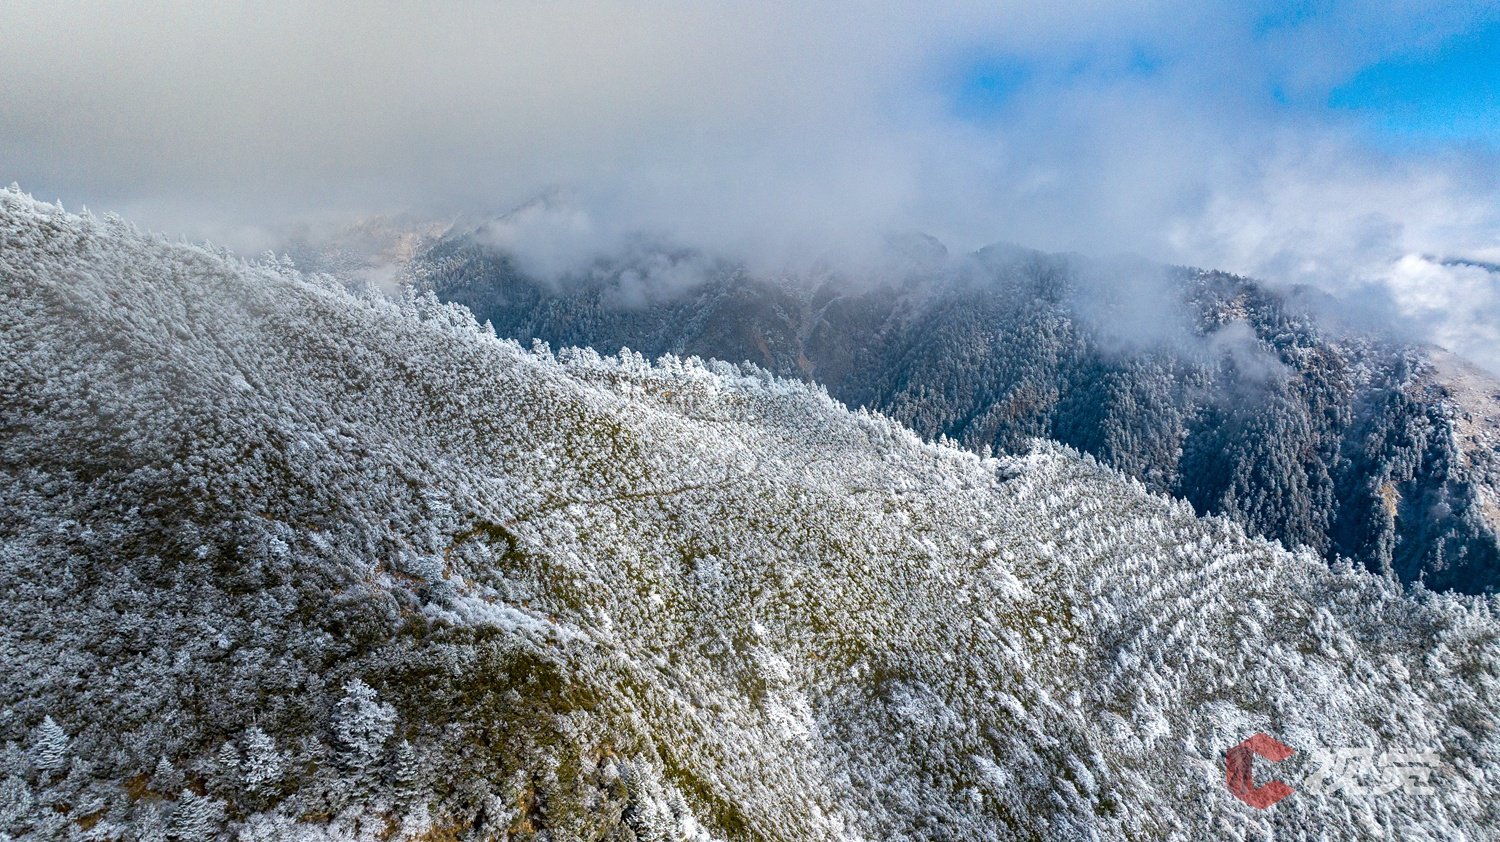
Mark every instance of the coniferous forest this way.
pixel 285 561
pixel 606 421
pixel 1246 401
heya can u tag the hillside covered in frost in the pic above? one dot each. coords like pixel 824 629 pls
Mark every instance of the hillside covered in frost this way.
pixel 1247 401
pixel 282 562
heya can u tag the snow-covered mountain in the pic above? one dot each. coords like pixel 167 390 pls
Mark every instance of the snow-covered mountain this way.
pixel 1244 400
pixel 278 561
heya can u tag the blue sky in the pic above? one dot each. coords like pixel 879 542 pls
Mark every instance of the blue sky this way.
pixel 1447 93
pixel 1309 141
pixel 1328 142
pixel 1443 88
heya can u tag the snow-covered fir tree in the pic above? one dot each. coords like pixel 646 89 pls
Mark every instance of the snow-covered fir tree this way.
pixel 362 725
pixel 196 818
pixel 49 749
pixel 263 762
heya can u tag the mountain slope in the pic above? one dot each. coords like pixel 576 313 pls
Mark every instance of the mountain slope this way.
pixel 285 562
pixel 1203 385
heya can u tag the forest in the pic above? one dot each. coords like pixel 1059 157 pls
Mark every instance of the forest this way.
pixel 1245 401
pixel 282 561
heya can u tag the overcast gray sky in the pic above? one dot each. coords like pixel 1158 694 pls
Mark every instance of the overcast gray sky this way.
pixel 1335 144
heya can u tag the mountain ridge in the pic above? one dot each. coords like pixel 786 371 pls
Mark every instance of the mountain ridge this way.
pixel 290 563
pixel 1191 380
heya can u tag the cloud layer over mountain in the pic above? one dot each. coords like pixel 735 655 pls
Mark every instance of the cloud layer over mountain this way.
pixel 1189 132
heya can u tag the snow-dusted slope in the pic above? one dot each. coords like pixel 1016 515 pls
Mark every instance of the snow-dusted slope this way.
pixel 1246 400
pixel 278 560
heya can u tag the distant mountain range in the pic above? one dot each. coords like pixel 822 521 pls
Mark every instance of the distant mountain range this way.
pixel 1246 401
pixel 283 562
pixel 1468 261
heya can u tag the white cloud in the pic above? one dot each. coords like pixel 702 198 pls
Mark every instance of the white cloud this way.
pixel 1457 307
pixel 775 130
